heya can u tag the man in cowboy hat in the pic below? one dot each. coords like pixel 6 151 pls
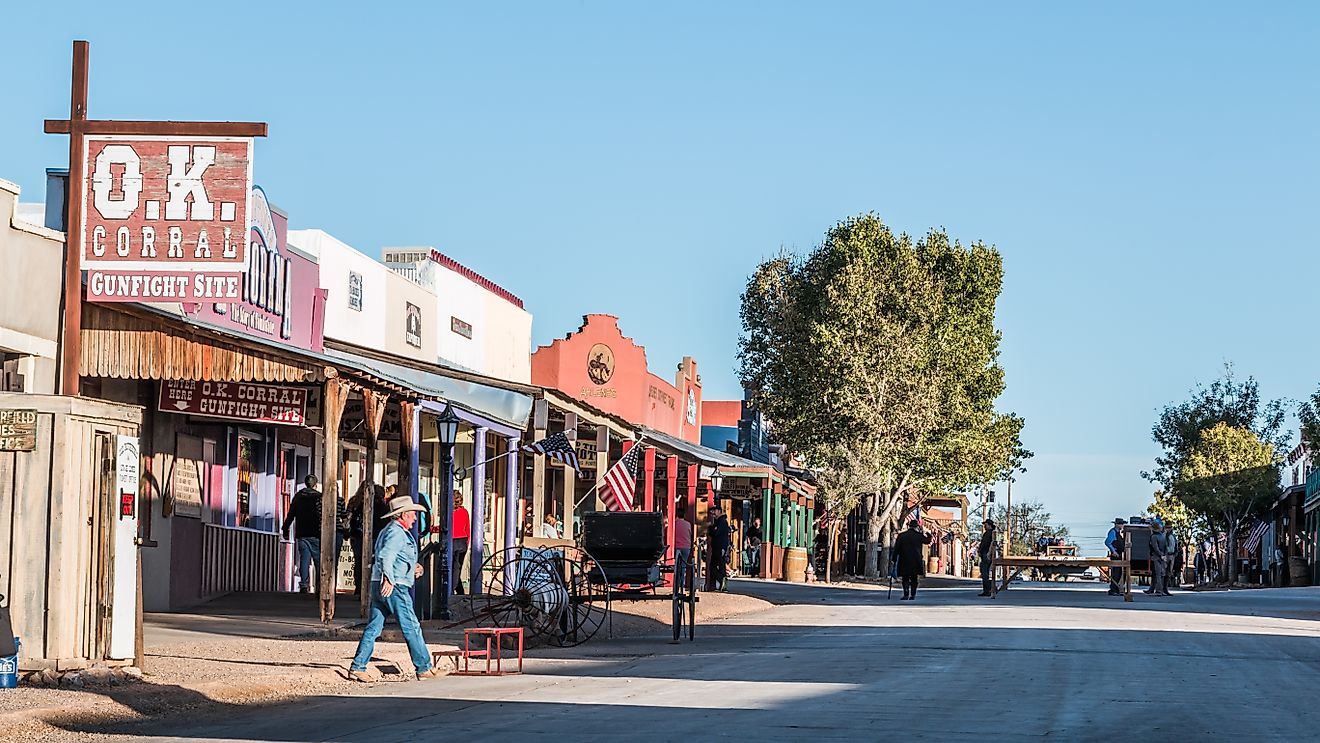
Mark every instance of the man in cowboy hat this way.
pixel 1116 545
pixel 393 569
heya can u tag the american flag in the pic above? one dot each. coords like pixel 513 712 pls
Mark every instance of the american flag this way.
pixel 621 481
pixel 556 447
pixel 1253 538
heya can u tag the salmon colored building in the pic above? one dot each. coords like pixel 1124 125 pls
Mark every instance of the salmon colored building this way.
pixel 599 365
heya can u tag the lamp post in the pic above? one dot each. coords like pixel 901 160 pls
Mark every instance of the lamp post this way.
pixel 442 579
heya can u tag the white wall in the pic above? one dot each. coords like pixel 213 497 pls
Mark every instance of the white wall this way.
pixel 381 322
pixel 501 341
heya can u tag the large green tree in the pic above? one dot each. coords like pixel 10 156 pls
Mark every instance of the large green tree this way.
pixel 1226 400
pixel 884 348
pixel 1229 474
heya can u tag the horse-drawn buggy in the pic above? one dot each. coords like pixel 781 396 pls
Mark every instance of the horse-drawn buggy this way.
pixel 563 594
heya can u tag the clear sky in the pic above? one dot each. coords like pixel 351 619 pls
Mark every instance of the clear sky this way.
pixel 1149 171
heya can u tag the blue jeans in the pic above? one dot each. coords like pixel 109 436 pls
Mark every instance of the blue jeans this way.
pixel 309 551
pixel 682 559
pixel 399 604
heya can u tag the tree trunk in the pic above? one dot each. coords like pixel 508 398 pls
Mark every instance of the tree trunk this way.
pixel 873 537
pixel 829 551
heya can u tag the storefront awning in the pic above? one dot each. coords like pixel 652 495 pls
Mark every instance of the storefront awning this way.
pixel 502 405
pixel 702 454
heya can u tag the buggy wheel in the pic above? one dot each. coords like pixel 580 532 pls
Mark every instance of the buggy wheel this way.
pixel 588 597
pixel 691 602
pixel 523 589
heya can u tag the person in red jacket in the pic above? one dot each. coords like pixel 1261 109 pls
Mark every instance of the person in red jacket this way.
pixel 462 531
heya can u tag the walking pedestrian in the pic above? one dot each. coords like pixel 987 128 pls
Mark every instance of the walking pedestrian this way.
pixel 985 552
pixel 1117 546
pixel 1173 561
pixel 1199 565
pixel 394 567
pixel 462 531
pixel 305 516
pixel 1159 553
pixel 721 537
pixel 908 555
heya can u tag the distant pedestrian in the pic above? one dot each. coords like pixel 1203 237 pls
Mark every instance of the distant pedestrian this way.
pixel 721 538
pixel 1159 553
pixel 548 529
pixel 305 516
pixel 985 552
pixel 908 556
pixel 1173 561
pixel 1199 565
pixel 1116 543
pixel 394 567
pixel 462 532
pixel 754 537
pixel 682 545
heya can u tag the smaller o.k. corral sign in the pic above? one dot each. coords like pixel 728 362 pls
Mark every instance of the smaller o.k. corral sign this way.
pixel 165 219
pixel 240 401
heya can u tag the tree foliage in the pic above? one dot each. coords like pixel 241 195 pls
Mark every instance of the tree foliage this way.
pixel 1189 526
pixel 1226 400
pixel 1030 521
pixel 880 349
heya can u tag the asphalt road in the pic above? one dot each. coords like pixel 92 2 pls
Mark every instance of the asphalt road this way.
pixel 1057 662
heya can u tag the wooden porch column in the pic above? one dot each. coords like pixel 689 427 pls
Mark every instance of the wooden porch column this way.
pixel 477 540
pixel 570 477
pixel 671 501
pixel 373 409
pixel 602 463
pixel 648 483
pixel 693 473
pixel 512 505
pixel 336 393
pixel 540 420
pixel 766 540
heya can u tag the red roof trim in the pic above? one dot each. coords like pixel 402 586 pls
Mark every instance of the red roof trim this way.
pixel 476 278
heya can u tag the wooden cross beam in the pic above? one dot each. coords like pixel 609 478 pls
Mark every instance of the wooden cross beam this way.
pixel 78 126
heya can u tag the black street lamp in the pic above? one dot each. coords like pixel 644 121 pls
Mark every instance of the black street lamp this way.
pixel 447 424
pixel 717 480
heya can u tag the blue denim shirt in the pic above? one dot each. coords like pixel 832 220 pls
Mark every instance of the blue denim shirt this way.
pixel 396 555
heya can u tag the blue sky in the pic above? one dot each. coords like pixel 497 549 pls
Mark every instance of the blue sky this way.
pixel 1149 172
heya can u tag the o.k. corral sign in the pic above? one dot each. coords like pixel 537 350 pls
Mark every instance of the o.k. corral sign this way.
pixel 165 219
pixel 240 401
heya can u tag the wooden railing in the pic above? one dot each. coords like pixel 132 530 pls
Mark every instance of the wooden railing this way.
pixel 240 560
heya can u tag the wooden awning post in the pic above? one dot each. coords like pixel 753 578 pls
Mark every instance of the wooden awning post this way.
pixel 540 422
pixel 373 411
pixel 570 478
pixel 336 393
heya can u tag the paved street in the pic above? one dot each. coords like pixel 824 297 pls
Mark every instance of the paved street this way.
pixel 1062 662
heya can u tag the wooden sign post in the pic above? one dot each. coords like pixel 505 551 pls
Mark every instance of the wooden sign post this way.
pixel 79 127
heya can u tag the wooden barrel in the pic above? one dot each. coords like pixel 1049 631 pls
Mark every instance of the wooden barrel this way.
pixel 1299 573
pixel 795 564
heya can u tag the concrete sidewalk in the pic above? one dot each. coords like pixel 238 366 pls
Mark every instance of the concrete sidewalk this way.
pixel 250 615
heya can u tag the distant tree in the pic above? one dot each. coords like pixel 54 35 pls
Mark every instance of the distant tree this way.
pixel 1030 521
pixel 1226 400
pixel 881 349
pixel 1228 475
pixel 1188 526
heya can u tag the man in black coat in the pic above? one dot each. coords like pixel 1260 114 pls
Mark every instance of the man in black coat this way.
pixel 305 516
pixel 985 552
pixel 907 553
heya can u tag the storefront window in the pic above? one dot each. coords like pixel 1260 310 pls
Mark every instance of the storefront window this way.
pixel 247 464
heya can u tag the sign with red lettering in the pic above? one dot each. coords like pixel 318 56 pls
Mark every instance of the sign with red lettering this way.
pixel 242 401
pixel 165 219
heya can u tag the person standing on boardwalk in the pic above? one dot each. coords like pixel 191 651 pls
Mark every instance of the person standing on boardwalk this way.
pixel 461 529
pixel 305 517
pixel 394 567
pixel 985 552
pixel 908 556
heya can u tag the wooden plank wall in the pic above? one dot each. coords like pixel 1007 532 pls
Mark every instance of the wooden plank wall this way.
pixel 23 537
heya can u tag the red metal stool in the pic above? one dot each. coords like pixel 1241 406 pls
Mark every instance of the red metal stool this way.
pixel 492 637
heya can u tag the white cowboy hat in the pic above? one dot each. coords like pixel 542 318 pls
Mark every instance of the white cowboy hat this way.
pixel 400 505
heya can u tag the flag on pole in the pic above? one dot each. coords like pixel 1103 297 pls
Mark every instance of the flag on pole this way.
pixel 556 447
pixel 621 481
pixel 1257 533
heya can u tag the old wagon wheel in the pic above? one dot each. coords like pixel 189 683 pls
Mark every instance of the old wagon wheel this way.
pixel 588 591
pixel 523 589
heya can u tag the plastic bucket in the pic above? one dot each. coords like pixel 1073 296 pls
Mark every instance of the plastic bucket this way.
pixel 9 669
